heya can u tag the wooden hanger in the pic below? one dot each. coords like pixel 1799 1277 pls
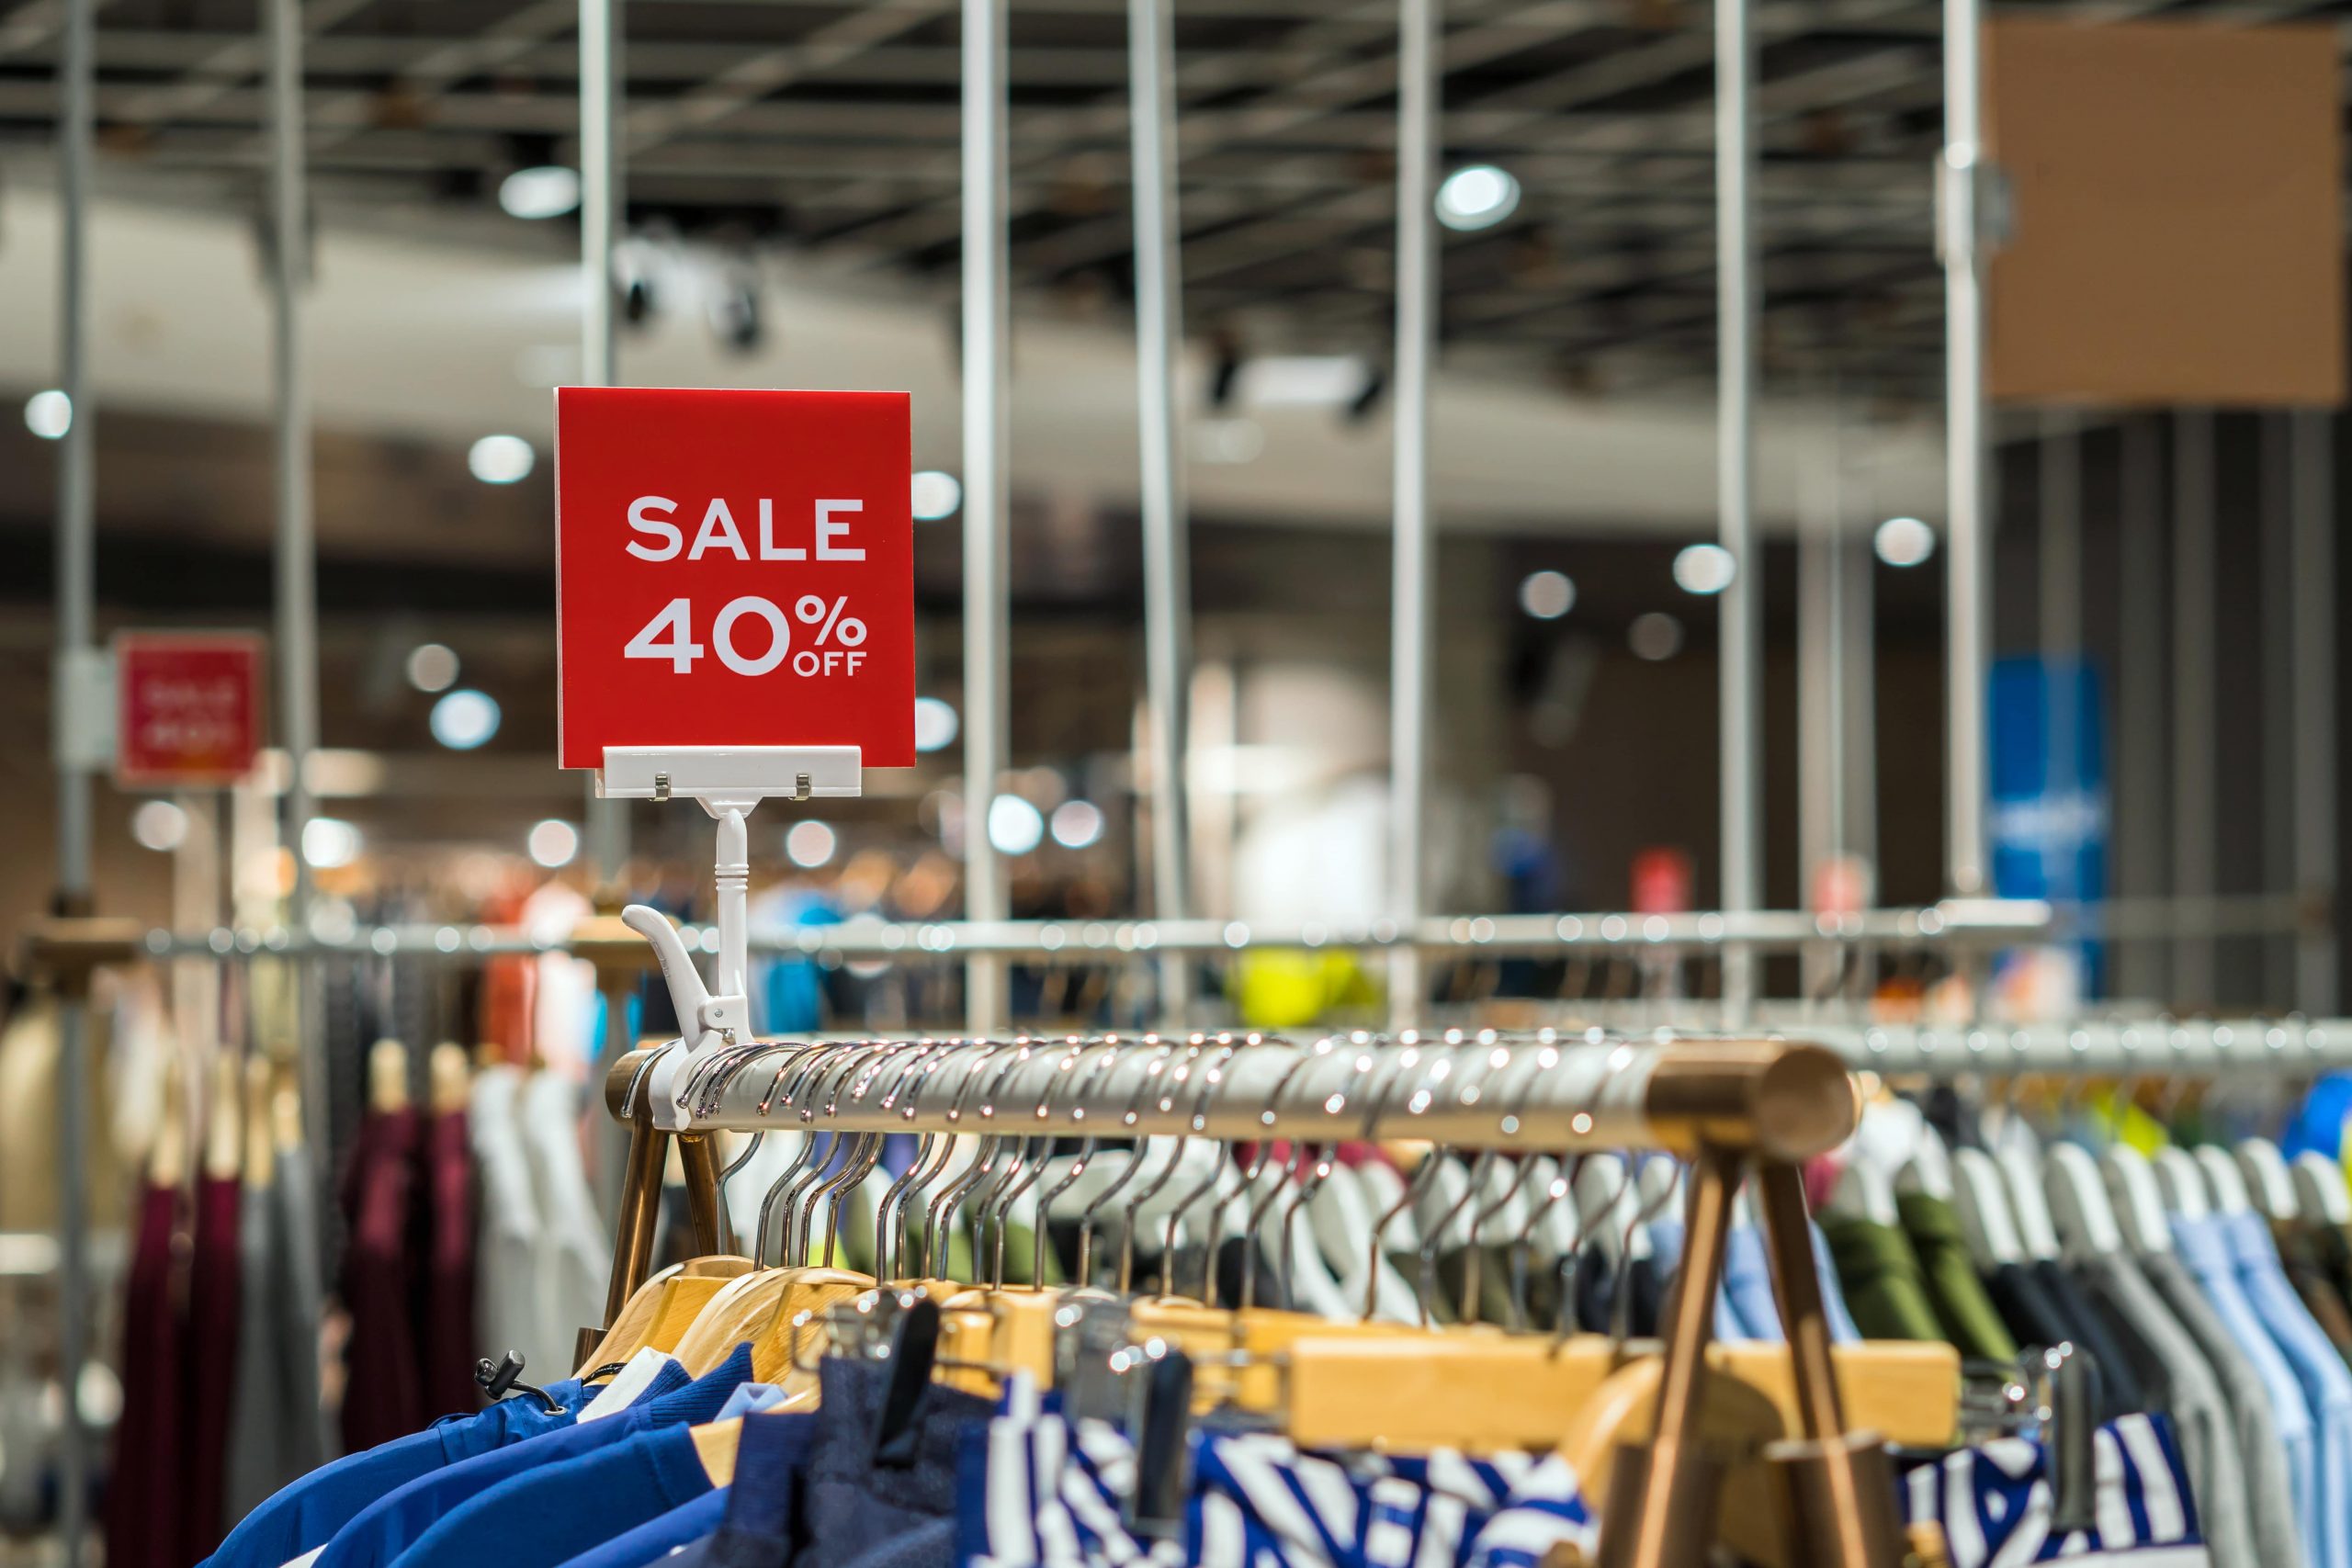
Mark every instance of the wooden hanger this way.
pixel 260 1131
pixel 450 1074
pixel 225 1132
pixel 387 1077
pixel 167 1159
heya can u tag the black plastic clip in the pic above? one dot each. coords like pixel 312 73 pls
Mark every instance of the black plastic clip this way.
pixel 506 1376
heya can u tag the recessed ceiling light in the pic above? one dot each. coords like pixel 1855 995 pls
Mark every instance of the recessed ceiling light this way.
pixel 1904 541
pixel 465 718
pixel 937 495
pixel 1547 595
pixel 48 415
pixel 1704 568
pixel 500 459
pixel 1477 197
pixel 550 190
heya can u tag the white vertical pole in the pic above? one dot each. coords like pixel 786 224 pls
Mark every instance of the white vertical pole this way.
pixel 1167 566
pixel 1968 519
pixel 1740 660
pixel 2316 801
pixel 76 617
pixel 2196 819
pixel 601 185
pixel 1414 563
pixel 297 569
pixel 986 492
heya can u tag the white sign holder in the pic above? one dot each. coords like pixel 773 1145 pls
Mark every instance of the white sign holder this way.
pixel 729 782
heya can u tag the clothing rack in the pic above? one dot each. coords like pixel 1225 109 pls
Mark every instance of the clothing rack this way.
pixel 2123 1048
pixel 1731 1106
pixel 1784 1099
pixel 1962 922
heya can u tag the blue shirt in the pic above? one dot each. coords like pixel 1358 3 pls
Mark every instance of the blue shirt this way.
pixel 2206 1250
pixel 551 1514
pixel 390 1526
pixel 762 1506
pixel 2327 1383
pixel 1748 1282
pixel 305 1515
pixel 682 1529
pixel 1666 1247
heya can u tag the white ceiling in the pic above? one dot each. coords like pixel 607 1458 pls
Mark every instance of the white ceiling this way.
pixel 420 336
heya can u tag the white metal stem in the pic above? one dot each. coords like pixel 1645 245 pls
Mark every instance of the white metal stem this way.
pixel 1969 520
pixel 601 187
pixel 1167 567
pixel 1739 660
pixel 1414 563
pixel 987 490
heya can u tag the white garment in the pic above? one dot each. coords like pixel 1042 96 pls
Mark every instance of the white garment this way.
pixel 636 1375
pixel 572 1262
pixel 563 1002
pixel 506 1314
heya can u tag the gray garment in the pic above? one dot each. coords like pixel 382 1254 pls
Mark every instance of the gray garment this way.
pixel 277 1431
pixel 2269 1492
pixel 2200 1416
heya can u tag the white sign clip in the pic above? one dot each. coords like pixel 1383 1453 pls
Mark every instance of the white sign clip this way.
pixel 729 782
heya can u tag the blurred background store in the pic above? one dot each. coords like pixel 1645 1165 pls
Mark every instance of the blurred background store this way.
pixel 2160 694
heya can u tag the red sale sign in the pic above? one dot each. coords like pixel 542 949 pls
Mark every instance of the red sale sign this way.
pixel 188 707
pixel 734 569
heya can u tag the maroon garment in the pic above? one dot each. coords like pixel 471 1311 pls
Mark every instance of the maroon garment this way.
pixel 381 1392
pixel 209 1360
pixel 445 1319
pixel 143 1490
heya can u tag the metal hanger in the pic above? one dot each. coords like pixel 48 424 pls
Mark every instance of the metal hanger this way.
pixel 1211 1080
pixel 1135 1166
pixel 1151 1188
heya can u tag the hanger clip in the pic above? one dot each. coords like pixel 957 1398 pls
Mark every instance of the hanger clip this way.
pixel 506 1376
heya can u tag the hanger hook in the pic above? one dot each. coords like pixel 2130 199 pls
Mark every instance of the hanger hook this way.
pixel 1119 1183
pixel 1211 1080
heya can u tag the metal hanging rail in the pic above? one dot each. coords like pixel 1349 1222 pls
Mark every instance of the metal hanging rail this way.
pixel 1961 923
pixel 2151 1047
pixel 1781 1100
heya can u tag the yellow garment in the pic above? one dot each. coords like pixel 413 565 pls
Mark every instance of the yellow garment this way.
pixel 1290 987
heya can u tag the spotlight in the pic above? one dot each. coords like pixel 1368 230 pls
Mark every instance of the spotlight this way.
pixel 1077 823
pixel 1015 827
pixel 432 666
pixel 809 845
pixel 329 842
pixel 1654 636
pixel 1547 595
pixel 1904 541
pixel 553 842
pixel 1477 197
pixel 465 718
pixel 936 495
pixel 159 825
pixel 48 415
pixel 1704 568
pixel 935 724
pixel 549 190
pixel 500 459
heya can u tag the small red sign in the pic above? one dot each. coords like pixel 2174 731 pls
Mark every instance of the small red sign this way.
pixel 188 707
pixel 734 569
pixel 1662 881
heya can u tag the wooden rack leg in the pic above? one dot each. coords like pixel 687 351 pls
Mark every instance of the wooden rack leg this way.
pixel 639 1212
pixel 1838 1487
pixel 1663 1497
pixel 700 1154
